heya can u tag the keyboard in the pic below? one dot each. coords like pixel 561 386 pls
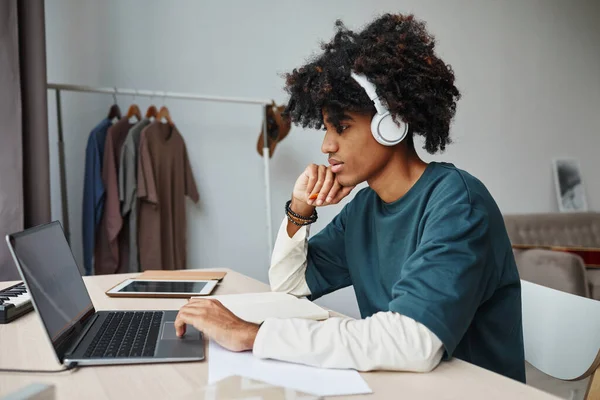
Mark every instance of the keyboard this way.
pixel 14 302
pixel 126 334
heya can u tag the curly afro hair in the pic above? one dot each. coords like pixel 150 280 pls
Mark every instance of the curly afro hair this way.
pixel 397 54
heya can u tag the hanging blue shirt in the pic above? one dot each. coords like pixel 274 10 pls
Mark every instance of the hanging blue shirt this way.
pixel 439 255
pixel 93 191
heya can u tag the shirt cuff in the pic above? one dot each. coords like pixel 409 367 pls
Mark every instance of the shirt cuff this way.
pixel 259 341
pixel 299 236
pixel 285 244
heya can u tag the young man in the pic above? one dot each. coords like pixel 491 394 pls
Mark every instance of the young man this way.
pixel 424 245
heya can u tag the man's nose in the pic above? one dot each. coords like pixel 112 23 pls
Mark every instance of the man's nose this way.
pixel 330 144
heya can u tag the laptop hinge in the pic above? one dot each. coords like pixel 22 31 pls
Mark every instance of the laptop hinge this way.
pixel 82 335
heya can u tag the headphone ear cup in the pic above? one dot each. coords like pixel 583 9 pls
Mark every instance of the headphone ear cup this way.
pixel 375 129
pixel 386 131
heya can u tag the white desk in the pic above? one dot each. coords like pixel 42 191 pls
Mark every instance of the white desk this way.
pixel 23 345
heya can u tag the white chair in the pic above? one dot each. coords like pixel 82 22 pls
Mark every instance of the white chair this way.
pixel 561 334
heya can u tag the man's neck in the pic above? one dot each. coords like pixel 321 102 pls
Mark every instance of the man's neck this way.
pixel 398 176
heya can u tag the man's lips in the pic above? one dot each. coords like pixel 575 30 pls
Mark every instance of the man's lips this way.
pixel 336 166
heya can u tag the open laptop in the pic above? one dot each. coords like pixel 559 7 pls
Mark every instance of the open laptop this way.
pixel 76 330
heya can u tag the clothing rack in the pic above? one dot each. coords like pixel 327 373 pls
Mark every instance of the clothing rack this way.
pixel 59 87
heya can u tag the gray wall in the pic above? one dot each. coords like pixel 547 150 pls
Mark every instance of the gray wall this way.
pixel 528 71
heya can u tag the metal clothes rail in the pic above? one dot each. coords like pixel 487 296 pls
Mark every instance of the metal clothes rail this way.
pixel 59 87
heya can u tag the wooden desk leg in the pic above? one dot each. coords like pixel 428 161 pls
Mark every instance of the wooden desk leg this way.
pixel 593 389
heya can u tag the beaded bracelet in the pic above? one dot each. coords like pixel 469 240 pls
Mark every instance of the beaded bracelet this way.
pixel 298 219
pixel 288 210
pixel 293 221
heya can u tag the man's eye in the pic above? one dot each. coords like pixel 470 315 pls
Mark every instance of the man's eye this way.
pixel 342 128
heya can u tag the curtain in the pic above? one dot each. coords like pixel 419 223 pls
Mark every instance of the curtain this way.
pixel 24 152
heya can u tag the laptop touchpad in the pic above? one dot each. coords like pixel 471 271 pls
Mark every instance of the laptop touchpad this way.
pixel 168 333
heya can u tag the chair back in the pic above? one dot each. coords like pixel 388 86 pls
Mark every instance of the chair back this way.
pixel 561 332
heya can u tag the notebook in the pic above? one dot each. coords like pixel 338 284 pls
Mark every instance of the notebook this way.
pixel 256 307
pixel 164 275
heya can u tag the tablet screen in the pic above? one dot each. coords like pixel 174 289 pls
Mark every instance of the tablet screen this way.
pixel 163 287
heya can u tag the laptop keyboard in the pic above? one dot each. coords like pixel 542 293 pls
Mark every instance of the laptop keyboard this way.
pixel 126 334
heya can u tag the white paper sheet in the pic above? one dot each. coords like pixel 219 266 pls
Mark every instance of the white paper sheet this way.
pixel 318 381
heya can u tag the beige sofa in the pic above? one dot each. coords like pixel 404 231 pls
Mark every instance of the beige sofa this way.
pixel 558 270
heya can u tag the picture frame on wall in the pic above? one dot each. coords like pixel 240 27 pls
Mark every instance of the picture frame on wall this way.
pixel 569 184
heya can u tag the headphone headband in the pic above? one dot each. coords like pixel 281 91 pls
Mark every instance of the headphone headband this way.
pixel 383 127
pixel 371 91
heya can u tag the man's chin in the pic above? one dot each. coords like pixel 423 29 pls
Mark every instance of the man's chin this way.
pixel 348 181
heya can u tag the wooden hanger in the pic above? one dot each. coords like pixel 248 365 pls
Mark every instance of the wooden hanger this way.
pixel 134 111
pixel 164 114
pixel 152 112
pixel 115 110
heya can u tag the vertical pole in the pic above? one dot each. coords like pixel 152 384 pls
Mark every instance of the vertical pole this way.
pixel 266 157
pixel 61 165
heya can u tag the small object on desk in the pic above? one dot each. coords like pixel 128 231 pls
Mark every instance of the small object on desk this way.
pixel 240 387
pixel 34 391
pixel 15 301
pixel 316 381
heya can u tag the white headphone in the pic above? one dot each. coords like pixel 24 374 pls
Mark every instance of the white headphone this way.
pixel 383 127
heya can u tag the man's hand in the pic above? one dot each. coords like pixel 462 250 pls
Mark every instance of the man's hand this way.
pixel 321 181
pixel 214 320
pixel 317 186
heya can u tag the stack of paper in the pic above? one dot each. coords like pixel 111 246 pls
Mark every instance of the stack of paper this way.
pixel 256 307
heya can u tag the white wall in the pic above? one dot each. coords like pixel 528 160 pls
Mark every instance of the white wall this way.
pixel 528 71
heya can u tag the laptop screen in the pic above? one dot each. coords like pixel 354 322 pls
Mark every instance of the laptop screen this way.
pixel 54 282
